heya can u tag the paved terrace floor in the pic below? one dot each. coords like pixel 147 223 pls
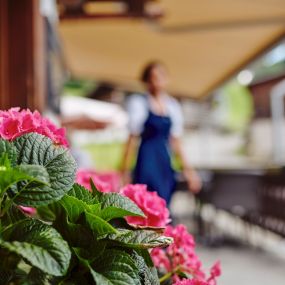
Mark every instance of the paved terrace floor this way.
pixel 245 266
pixel 242 264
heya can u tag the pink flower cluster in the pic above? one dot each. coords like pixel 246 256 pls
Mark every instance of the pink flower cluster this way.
pixel 105 182
pixel 181 256
pixel 153 206
pixel 214 273
pixel 190 282
pixel 16 122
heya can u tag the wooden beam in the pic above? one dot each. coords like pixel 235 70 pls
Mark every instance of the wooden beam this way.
pixel 134 9
pixel 22 55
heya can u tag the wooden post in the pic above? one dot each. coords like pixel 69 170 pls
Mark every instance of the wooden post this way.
pixel 3 55
pixel 22 66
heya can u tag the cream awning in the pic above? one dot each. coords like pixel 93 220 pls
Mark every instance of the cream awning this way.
pixel 203 43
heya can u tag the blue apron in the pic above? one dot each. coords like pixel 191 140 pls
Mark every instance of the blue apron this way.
pixel 153 166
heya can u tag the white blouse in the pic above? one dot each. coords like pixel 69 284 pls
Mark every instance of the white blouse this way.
pixel 138 109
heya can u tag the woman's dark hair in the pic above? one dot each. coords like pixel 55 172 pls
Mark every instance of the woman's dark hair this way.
pixel 102 92
pixel 145 75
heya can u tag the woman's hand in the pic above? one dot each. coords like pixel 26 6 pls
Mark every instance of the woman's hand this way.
pixel 193 181
pixel 192 178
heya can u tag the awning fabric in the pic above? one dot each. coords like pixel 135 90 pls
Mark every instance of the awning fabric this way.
pixel 203 43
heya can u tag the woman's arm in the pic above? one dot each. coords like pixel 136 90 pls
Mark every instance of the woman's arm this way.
pixel 128 153
pixel 191 176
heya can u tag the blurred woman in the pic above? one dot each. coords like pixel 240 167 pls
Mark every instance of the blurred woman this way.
pixel 156 119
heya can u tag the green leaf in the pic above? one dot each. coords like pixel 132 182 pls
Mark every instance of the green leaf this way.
pixel 23 177
pixel 36 277
pixel 9 149
pixel 75 207
pixel 37 173
pixel 36 149
pixel 115 205
pixel 94 251
pixel 13 215
pixel 9 260
pixel 146 256
pixel 120 223
pixel 139 239
pixel 30 176
pixel 96 193
pixel 98 225
pixel 77 235
pixel 115 267
pixel 82 194
pixel 25 173
pixel 148 275
pixel 39 244
pixel 94 209
pixel 4 161
pixel 121 202
pixel 50 212
pixel 102 280
pixel 46 214
pixel 10 177
pixel 111 212
pixel 5 276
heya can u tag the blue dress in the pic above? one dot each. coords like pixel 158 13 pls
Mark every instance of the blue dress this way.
pixel 153 166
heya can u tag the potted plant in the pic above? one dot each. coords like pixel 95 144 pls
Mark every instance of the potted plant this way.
pixel 55 231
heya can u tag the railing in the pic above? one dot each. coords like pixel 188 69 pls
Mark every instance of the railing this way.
pixel 256 197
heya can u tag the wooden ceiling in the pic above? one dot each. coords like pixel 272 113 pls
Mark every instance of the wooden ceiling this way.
pixel 203 43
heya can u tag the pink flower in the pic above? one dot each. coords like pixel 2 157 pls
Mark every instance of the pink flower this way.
pixel 153 206
pixel 160 259
pixel 28 210
pixel 14 123
pixel 190 282
pixel 214 273
pixel 105 182
pixel 181 256
pixel 181 252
